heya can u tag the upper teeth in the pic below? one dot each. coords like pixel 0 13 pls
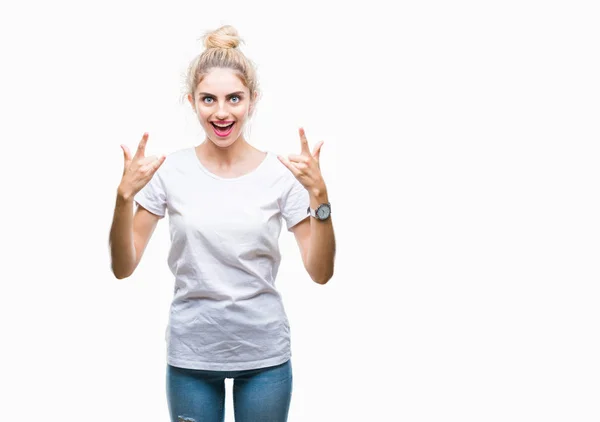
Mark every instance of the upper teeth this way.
pixel 216 124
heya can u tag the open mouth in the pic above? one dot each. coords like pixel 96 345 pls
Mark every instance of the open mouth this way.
pixel 222 130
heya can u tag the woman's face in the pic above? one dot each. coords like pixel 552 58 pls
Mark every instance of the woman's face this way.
pixel 222 104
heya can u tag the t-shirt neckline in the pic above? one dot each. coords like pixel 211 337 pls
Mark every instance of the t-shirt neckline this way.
pixel 228 179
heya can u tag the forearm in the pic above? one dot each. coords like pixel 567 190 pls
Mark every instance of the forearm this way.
pixel 122 247
pixel 321 251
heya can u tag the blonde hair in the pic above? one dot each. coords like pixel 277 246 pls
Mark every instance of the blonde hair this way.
pixel 221 51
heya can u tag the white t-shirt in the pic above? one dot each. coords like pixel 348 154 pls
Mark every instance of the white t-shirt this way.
pixel 226 313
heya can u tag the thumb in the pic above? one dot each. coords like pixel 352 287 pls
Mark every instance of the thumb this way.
pixel 126 157
pixel 126 153
pixel 317 151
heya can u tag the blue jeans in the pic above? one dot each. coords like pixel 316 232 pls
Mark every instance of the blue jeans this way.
pixel 262 394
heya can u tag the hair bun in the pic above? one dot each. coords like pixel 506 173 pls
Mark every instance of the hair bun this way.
pixel 224 37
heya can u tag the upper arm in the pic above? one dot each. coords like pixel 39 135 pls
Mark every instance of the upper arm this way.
pixel 302 233
pixel 144 223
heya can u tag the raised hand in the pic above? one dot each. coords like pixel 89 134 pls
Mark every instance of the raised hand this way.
pixel 138 170
pixel 305 166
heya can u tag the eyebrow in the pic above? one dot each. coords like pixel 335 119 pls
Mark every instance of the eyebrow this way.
pixel 228 95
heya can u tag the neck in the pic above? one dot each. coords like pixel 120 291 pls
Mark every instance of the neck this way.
pixel 232 154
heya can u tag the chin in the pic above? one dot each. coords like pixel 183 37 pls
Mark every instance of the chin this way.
pixel 224 143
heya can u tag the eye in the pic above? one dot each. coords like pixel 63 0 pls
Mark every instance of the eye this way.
pixel 235 99
pixel 207 100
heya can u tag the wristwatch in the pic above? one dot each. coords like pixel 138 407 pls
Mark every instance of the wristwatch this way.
pixel 322 212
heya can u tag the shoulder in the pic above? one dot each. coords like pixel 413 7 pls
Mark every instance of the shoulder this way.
pixel 277 175
pixel 277 169
pixel 180 155
pixel 176 160
pixel 287 186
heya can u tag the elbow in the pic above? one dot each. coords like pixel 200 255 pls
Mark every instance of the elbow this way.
pixel 120 273
pixel 323 279
pixel 320 271
pixel 121 276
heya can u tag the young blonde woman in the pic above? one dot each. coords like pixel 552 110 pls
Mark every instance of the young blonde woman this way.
pixel 226 202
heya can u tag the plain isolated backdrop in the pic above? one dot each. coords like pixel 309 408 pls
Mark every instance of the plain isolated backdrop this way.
pixel 461 156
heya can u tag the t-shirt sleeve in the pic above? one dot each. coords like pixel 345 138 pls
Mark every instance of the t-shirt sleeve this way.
pixel 153 196
pixel 295 203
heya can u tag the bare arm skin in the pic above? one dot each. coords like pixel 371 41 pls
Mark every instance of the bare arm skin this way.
pixel 129 233
pixel 314 237
pixel 316 241
pixel 129 236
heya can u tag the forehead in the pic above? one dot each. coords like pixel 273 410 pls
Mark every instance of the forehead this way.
pixel 221 81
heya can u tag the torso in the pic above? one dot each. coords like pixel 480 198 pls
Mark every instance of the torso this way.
pixel 226 313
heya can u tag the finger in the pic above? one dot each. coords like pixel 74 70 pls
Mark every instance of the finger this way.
pixel 141 150
pixel 289 165
pixel 151 164
pixel 126 154
pixel 148 161
pixel 295 158
pixel 126 158
pixel 300 166
pixel 303 141
pixel 317 150
pixel 158 162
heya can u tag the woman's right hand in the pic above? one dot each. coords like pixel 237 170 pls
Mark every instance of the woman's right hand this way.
pixel 138 170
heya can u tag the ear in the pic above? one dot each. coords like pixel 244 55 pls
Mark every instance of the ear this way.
pixel 191 100
pixel 253 103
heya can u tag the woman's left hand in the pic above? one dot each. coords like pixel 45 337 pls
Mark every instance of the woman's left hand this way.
pixel 305 166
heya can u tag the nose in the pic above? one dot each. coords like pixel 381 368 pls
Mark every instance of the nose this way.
pixel 222 112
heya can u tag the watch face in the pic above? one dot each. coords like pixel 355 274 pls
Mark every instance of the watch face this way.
pixel 323 212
